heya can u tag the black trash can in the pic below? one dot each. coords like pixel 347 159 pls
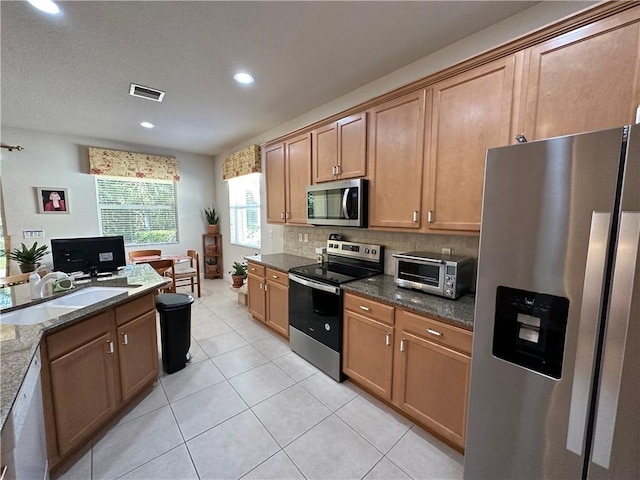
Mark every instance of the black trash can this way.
pixel 175 329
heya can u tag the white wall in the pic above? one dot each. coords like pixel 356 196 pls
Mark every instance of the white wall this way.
pixel 62 161
pixel 520 24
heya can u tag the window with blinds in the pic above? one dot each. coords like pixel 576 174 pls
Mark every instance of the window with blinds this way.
pixel 244 210
pixel 142 210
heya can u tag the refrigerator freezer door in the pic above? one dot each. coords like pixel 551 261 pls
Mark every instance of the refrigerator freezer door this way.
pixel 616 440
pixel 539 202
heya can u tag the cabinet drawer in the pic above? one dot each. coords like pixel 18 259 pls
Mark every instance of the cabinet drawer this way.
pixel 369 308
pixel 79 334
pixel 255 269
pixel 134 309
pixel 278 277
pixel 436 331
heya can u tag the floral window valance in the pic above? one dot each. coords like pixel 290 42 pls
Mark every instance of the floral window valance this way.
pixel 129 164
pixel 244 162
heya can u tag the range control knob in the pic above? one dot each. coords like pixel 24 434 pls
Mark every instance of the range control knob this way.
pixel 450 284
pixel 449 292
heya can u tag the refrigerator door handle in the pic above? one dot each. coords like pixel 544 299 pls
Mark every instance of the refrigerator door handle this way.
pixel 585 351
pixel 616 337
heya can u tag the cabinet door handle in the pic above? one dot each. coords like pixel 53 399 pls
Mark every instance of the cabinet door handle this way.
pixel 415 216
pixel 333 170
pixel 434 332
pixel 387 339
pixel 287 215
pixel 337 169
pixel 275 276
pixel 366 309
pixel 125 339
pixel 282 215
pixel 402 345
pixel 265 287
pixel 110 350
pixel 261 286
pixel 430 216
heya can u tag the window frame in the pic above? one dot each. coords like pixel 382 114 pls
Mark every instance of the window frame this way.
pixel 233 209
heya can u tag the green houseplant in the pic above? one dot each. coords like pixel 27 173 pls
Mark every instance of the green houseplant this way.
pixel 238 274
pixel 212 219
pixel 28 258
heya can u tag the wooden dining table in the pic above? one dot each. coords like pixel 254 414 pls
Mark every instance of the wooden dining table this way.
pixel 162 263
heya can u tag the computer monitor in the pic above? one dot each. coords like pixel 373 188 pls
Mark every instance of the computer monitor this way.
pixel 90 255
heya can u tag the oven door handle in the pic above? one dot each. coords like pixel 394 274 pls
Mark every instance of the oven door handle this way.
pixel 313 284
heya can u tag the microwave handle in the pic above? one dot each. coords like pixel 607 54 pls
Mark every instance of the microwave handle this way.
pixel 345 200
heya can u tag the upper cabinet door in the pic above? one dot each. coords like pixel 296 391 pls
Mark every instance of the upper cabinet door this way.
pixel 325 153
pixel 298 175
pixel 396 145
pixel 586 79
pixel 352 146
pixel 275 182
pixel 340 149
pixel 472 111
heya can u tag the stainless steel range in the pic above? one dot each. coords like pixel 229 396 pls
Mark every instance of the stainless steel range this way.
pixel 315 301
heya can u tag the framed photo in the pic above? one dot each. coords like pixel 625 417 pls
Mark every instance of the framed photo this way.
pixel 52 200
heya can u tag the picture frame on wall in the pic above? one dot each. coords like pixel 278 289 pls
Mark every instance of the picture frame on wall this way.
pixel 52 200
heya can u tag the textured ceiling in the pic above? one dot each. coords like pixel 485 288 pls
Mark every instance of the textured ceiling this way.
pixel 70 74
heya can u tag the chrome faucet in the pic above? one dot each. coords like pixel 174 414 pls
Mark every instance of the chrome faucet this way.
pixel 38 286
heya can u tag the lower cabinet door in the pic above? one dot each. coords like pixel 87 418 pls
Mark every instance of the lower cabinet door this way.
pixel 138 352
pixel 431 384
pixel 368 353
pixel 84 391
pixel 278 308
pixel 257 297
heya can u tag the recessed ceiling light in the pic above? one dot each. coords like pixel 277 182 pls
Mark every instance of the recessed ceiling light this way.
pixel 242 77
pixel 46 6
pixel 146 125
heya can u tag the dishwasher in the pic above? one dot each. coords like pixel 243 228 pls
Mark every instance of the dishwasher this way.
pixel 23 451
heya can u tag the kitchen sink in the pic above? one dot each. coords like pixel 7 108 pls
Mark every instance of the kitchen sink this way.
pixel 60 306
pixel 87 296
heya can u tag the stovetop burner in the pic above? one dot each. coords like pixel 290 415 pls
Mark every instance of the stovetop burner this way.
pixel 347 262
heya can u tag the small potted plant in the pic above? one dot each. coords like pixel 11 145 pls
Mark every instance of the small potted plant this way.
pixel 212 266
pixel 212 219
pixel 238 274
pixel 28 258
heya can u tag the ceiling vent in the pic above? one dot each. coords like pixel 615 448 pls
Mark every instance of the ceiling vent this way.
pixel 146 92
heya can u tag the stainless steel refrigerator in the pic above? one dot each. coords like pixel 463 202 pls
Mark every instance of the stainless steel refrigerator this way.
pixel 555 367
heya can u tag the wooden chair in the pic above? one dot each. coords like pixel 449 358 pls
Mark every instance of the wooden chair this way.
pixel 187 273
pixel 162 267
pixel 143 253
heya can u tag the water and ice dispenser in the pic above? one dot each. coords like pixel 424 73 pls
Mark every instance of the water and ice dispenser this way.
pixel 530 328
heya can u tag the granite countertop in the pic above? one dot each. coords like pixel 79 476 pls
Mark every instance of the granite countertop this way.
pixel 18 343
pixel 280 261
pixel 382 287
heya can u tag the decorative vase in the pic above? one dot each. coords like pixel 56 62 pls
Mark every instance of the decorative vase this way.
pixel 238 281
pixel 213 228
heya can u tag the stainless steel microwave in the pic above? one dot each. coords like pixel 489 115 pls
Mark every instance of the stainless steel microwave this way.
pixel 448 276
pixel 342 203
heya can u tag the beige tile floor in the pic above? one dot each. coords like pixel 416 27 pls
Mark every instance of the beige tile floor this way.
pixel 248 407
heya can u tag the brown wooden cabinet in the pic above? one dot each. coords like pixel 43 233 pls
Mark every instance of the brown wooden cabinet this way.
pixel 288 172
pixel 92 369
pixel 277 317
pixel 256 291
pixel 339 149
pixel 268 291
pixel 396 145
pixel 212 255
pixel 587 79
pixel 367 355
pixel 472 111
pixel 418 364
pixel 431 374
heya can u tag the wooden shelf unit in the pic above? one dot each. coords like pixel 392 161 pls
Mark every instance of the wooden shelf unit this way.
pixel 212 249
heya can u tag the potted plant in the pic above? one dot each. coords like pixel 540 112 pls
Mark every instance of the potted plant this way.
pixel 212 219
pixel 28 258
pixel 212 266
pixel 238 274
